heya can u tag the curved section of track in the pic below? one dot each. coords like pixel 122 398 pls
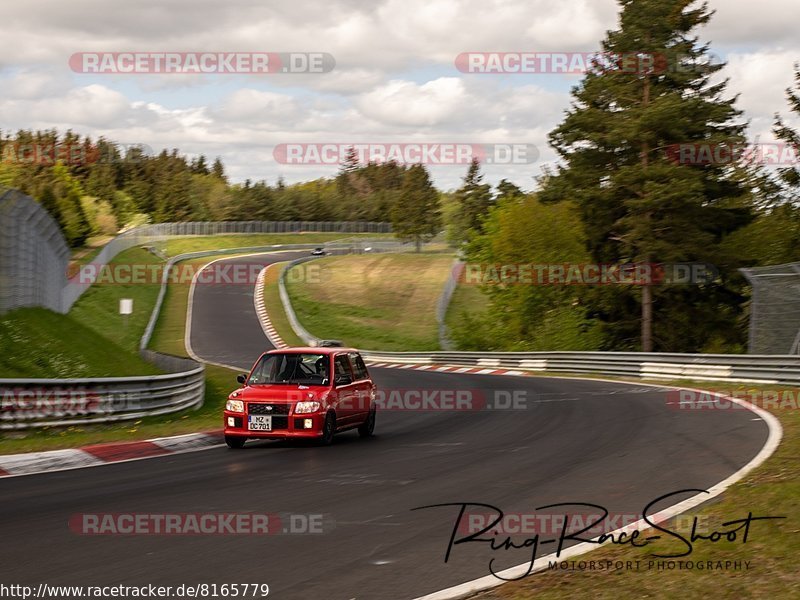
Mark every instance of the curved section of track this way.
pixel 611 444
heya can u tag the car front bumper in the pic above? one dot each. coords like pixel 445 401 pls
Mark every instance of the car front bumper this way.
pixel 293 427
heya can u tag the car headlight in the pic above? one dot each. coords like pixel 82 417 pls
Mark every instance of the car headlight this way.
pixel 302 408
pixel 234 406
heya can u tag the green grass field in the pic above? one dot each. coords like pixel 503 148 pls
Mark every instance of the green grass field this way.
pixel 39 344
pixel 374 302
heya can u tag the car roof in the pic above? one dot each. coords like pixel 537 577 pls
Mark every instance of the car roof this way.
pixel 311 350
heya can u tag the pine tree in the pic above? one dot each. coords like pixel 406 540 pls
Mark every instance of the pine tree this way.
pixel 416 216
pixel 218 169
pixel 473 198
pixel 506 189
pixel 638 203
pixel 199 166
pixel 352 187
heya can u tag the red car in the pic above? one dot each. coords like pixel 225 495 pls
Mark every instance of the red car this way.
pixel 309 393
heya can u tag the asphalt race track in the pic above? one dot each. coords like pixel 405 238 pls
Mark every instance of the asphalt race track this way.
pixel 611 444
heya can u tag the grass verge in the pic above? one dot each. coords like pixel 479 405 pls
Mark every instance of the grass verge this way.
pixel 39 344
pixel 376 302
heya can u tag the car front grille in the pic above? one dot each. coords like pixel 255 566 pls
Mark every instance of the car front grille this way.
pixel 258 408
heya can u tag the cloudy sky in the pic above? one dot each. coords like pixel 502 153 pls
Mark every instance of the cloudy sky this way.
pixel 395 79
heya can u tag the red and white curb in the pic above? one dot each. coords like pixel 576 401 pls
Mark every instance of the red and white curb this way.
pixel 447 369
pixel 263 315
pixel 12 465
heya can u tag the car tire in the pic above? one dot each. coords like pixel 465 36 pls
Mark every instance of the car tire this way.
pixel 367 428
pixel 235 442
pixel 328 430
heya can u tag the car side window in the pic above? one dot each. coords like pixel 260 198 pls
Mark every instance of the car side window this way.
pixel 359 368
pixel 342 366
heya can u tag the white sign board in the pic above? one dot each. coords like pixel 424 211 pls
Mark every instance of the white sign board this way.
pixel 126 306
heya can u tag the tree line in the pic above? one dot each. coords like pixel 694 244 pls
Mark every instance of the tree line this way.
pixel 97 187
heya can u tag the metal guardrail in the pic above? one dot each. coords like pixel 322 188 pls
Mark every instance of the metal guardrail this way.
pixel 31 403
pixel 775 370
pixel 444 302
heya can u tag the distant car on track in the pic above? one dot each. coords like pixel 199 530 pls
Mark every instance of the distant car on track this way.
pixel 306 393
pixel 318 252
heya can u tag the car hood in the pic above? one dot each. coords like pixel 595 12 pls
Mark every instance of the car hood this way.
pixel 279 393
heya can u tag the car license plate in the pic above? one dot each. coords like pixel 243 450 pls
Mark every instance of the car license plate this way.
pixel 259 422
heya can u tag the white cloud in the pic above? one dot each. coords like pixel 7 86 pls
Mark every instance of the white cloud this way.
pixel 394 80
pixel 93 105
pixel 739 23
pixel 406 103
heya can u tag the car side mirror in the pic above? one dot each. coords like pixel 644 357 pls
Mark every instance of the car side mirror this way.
pixel 241 378
pixel 343 380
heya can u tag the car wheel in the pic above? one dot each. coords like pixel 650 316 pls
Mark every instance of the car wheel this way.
pixel 328 430
pixel 367 428
pixel 235 442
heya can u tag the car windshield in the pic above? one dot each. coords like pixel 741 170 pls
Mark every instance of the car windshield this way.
pixel 291 368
